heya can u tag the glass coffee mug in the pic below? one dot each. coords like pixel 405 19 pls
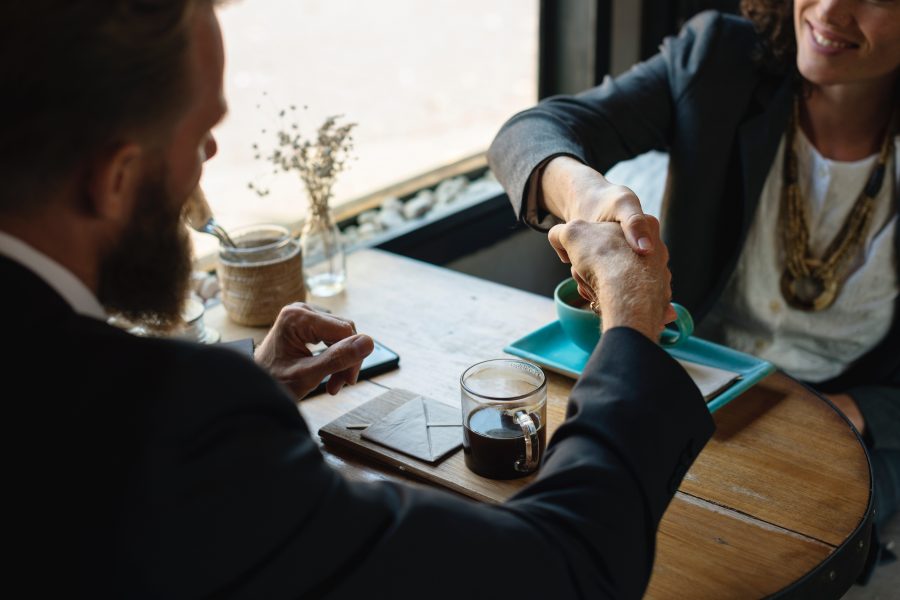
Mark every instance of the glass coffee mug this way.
pixel 504 415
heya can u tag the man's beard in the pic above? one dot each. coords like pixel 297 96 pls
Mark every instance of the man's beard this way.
pixel 145 277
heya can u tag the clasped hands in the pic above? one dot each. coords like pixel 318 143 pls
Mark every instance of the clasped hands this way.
pixel 618 258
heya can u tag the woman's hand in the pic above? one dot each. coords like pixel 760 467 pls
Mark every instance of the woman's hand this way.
pixel 572 190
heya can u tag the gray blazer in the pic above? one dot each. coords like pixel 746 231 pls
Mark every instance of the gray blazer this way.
pixel 720 115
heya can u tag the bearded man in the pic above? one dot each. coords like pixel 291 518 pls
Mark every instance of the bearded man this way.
pixel 146 467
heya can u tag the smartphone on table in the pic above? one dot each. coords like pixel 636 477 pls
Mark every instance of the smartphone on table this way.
pixel 381 360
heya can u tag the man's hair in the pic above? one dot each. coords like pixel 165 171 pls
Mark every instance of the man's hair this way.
pixel 774 20
pixel 80 77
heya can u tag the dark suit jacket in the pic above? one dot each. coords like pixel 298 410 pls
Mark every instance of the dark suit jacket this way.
pixel 164 469
pixel 720 115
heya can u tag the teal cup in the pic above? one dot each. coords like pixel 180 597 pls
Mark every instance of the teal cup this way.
pixel 582 325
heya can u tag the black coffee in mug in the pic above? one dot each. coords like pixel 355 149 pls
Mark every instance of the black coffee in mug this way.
pixel 494 443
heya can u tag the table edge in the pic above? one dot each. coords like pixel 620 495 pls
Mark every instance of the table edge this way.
pixel 832 577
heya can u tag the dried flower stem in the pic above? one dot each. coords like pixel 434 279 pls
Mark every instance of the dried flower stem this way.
pixel 318 161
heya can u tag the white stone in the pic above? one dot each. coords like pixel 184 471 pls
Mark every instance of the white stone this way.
pixel 367 230
pixel 390 218
pixel 208 288
pixel 480 189
pixel 449 189
pixel 392 203
pixel 370 216
pixel 350 234
pixel 419 205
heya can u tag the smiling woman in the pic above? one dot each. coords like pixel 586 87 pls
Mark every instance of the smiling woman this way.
pixel 780 212
pixel 840 43
pixel 428 83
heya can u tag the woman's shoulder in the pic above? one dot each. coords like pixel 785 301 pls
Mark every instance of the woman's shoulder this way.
pixel 712 44
pixel 712 26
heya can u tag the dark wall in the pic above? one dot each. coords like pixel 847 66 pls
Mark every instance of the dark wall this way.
pixel 485 240
pixel 660 18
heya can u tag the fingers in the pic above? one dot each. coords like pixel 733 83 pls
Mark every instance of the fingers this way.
pixel 670 314
pixel 636 225
pixel 344 355
pixel 554 236
pixel 307 326
pixel 337 382
pixel 341 360
pixel 351 376
pixel 584 289
pixel 653 226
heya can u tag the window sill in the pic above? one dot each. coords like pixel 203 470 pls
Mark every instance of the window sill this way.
pixel 348 214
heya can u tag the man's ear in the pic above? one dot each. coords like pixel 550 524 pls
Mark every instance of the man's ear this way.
pixel 114 181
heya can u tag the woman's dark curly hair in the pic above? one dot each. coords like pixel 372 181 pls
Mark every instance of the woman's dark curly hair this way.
pixel 774 20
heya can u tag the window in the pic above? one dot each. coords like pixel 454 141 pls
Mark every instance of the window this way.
pixel 428 83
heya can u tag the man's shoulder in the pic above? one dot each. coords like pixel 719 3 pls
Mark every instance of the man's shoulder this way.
pixel 160 384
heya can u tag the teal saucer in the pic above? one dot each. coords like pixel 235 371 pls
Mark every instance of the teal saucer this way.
pixel 551 348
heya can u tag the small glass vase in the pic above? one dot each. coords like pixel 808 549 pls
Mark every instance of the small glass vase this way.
pixel 324 263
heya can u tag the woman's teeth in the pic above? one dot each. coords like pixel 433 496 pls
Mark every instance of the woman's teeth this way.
pixel 828 43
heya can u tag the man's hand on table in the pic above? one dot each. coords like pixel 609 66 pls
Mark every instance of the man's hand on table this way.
pixel 285 355
pixel 630 290
pixel 572 190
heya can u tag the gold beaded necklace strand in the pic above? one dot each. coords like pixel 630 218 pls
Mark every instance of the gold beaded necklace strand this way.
pixel 810 283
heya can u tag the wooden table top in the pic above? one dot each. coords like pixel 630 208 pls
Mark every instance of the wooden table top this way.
pixel 777 502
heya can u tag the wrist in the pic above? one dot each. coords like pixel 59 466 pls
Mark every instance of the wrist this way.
pixel 557 185
pixel 573 190
pixel 641 325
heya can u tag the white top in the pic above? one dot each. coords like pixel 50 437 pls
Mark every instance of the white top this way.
pixel 753 317
pixel 79 297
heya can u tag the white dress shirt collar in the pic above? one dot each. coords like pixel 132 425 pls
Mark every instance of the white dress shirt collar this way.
pixel 79 297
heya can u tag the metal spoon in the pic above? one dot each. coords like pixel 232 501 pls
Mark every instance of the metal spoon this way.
pixel 198 216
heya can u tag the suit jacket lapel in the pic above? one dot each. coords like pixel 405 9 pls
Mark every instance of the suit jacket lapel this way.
pixel 27 295
pixel 759 137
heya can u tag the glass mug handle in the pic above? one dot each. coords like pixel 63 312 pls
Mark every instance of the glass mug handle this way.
pixel 532 443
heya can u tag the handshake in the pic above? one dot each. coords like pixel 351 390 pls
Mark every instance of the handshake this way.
pixel 630 289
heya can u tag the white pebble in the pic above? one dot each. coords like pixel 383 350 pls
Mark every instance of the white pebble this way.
pixel 388 219
pixel 370 216
pixel 392 203
pixel 367 230
pixel 449 189
pixel 208 288
pixel 419 205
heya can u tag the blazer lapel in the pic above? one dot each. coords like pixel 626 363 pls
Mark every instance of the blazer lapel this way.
pixel 759 138
pixel 27 296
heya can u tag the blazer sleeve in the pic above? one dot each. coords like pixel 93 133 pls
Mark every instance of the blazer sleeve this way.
pixel 617 120
pixel 239 501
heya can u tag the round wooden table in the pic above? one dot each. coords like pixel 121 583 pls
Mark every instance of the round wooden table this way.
pixel 778 503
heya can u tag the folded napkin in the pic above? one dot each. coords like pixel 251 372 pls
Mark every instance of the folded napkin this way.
pixel 422 428
pixel 711 380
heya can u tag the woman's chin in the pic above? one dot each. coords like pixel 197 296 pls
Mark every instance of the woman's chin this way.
pixel 820 74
